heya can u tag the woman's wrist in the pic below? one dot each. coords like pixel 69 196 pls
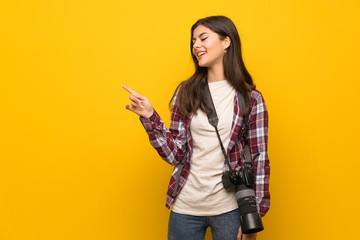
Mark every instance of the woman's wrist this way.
pixel 148 115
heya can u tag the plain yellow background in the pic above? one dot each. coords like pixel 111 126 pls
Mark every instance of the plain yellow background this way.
pixel 75 164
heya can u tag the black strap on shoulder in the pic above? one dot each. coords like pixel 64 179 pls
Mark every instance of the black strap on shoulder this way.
pixel 213 120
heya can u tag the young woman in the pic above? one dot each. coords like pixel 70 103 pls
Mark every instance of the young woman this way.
pixel 196 192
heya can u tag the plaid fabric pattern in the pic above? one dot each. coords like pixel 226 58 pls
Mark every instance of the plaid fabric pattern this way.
pixel 172 144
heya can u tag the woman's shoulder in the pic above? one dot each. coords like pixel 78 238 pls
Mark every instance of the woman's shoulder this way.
pixel 257 102
pixel 257 96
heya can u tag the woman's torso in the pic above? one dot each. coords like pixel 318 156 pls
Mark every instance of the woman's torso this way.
pixel 203 194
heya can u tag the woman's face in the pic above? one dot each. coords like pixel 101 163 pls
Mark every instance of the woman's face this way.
pixel 208 48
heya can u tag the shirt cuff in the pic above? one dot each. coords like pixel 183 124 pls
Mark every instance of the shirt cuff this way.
pixel 151 122
pixel 263 211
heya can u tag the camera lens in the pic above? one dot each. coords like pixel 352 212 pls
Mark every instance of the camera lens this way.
pixel 250 218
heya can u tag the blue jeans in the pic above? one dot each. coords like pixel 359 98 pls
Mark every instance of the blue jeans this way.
pixel 186 227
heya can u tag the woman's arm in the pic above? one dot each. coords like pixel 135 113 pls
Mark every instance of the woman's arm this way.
pixel 258 140
pixel 169 143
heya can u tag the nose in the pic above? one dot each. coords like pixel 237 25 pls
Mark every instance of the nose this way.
pixel 196 44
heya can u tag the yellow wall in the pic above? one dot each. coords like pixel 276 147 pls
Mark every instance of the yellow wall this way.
pixel 76 165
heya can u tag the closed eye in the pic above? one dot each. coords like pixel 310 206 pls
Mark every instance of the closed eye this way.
pixel 202 39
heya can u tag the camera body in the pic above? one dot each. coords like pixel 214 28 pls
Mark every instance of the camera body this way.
pixel 244 180
pixel 233 178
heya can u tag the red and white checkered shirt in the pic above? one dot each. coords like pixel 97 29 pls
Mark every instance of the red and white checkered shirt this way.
pixel 173 143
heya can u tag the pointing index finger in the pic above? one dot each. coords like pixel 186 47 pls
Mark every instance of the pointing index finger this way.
pixel 129 90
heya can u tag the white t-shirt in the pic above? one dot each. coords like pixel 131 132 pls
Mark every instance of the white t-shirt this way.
pixel 203 193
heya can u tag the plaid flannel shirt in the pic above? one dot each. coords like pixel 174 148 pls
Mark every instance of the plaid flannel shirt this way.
pixel 173 143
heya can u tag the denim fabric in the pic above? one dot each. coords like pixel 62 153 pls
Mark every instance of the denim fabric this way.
pixel 186 227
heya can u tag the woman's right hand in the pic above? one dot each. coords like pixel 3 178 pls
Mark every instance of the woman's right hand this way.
pixel 139 104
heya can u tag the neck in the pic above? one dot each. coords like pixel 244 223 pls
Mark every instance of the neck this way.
pixel 216 73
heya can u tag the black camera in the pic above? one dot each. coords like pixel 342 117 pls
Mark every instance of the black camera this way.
pixel 244 181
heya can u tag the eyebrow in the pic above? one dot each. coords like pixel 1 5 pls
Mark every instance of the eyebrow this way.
pixel 200 35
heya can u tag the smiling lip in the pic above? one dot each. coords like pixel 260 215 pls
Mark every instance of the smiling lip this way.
pixel 202 54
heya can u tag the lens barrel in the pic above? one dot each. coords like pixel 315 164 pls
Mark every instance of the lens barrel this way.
pixel 250 218
pixel 251 223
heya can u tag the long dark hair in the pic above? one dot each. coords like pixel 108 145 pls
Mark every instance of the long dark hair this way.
pixel 191 94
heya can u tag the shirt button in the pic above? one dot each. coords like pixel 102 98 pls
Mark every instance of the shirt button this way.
pixel 152 122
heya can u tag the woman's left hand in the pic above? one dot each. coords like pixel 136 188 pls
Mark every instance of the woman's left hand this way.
pixel 250 236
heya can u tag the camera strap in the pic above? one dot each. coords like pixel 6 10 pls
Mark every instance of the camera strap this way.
pixel 214 120
pixel 180 168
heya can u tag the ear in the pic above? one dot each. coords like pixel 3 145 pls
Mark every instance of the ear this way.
pixel 226 42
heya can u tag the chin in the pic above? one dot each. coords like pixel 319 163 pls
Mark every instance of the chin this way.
pixel 201 64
